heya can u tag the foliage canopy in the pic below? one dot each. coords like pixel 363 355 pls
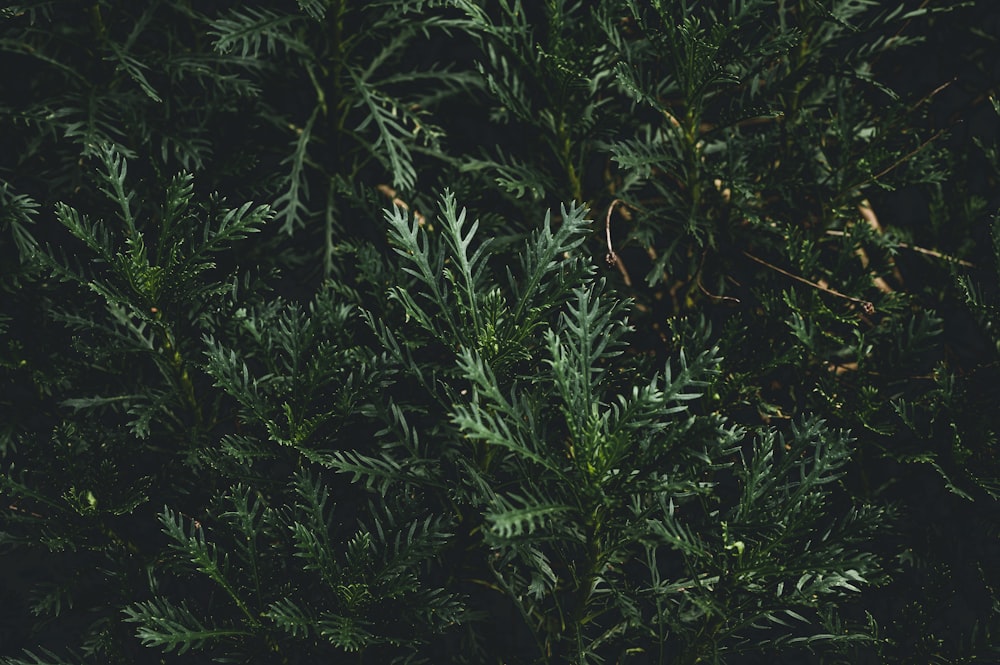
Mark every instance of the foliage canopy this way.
pixel 466 331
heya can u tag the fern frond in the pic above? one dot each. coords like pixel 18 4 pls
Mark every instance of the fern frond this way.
pixel 233 224
pixel 135 69
pixel 17 214
pixel 392 140
pixel 292 206
pixel 290 618
pixel 543 261
pixel 232 375
pixel 412 546
pixel 514 176
pixel 347 633
pixel 31 658
pixel 168 626
pixel 312 536
pixel 378 473
pixel 176 207
pixel 508 423
pixel 251 517
pixel 113 182
pixel 425 261
pixel 201 554
pixel 316 9
pixel 93 234
pixel 531 520
pixel 670 529
pixel 589 335
pixel 251 30
pixel 471 264
pixel 659 152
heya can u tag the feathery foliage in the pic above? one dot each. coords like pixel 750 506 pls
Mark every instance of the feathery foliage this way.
pixel 494 331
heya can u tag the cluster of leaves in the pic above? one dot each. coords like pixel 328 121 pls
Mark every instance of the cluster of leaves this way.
pixel 502 437
pixel 293 431
pixel 734 151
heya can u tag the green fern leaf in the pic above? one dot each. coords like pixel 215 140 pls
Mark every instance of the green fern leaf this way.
pixel 290 618
pixel 163 624
pixel 253 30
pixel 392 140
pixel 46 658
pixel 524 522
pixel 347 633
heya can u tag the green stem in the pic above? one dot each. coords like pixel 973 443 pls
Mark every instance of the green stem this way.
pixel 328 222
pixel 566 156
pixel 182 377
pixel 97 23
pixel 320 94
pixel 572 628
pixel 691 122
pixel 798 57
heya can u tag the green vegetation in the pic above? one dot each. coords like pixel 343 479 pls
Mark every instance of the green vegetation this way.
pixel 497 331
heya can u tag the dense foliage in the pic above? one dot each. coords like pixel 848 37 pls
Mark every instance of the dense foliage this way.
pixel 498 331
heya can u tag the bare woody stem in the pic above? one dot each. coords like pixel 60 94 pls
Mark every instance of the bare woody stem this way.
pixel 708 293
pixel 866 305
pixel 906 157
pixel 612 257
pixel 919 250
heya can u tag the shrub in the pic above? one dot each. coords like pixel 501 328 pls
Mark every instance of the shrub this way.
pixel 269 397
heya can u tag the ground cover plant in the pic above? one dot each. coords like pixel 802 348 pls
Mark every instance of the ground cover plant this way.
pixel 495 331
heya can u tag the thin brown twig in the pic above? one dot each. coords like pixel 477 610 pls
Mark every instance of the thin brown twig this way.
pixel 18 509
pixel 921 250
pixel 933 93
pixel 907 156
pixel 706 291
pixel 866 305
pixel 938 255
pixel 612 257
pixel 923 145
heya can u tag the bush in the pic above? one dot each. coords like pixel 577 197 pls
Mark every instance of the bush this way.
pixel 538 332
